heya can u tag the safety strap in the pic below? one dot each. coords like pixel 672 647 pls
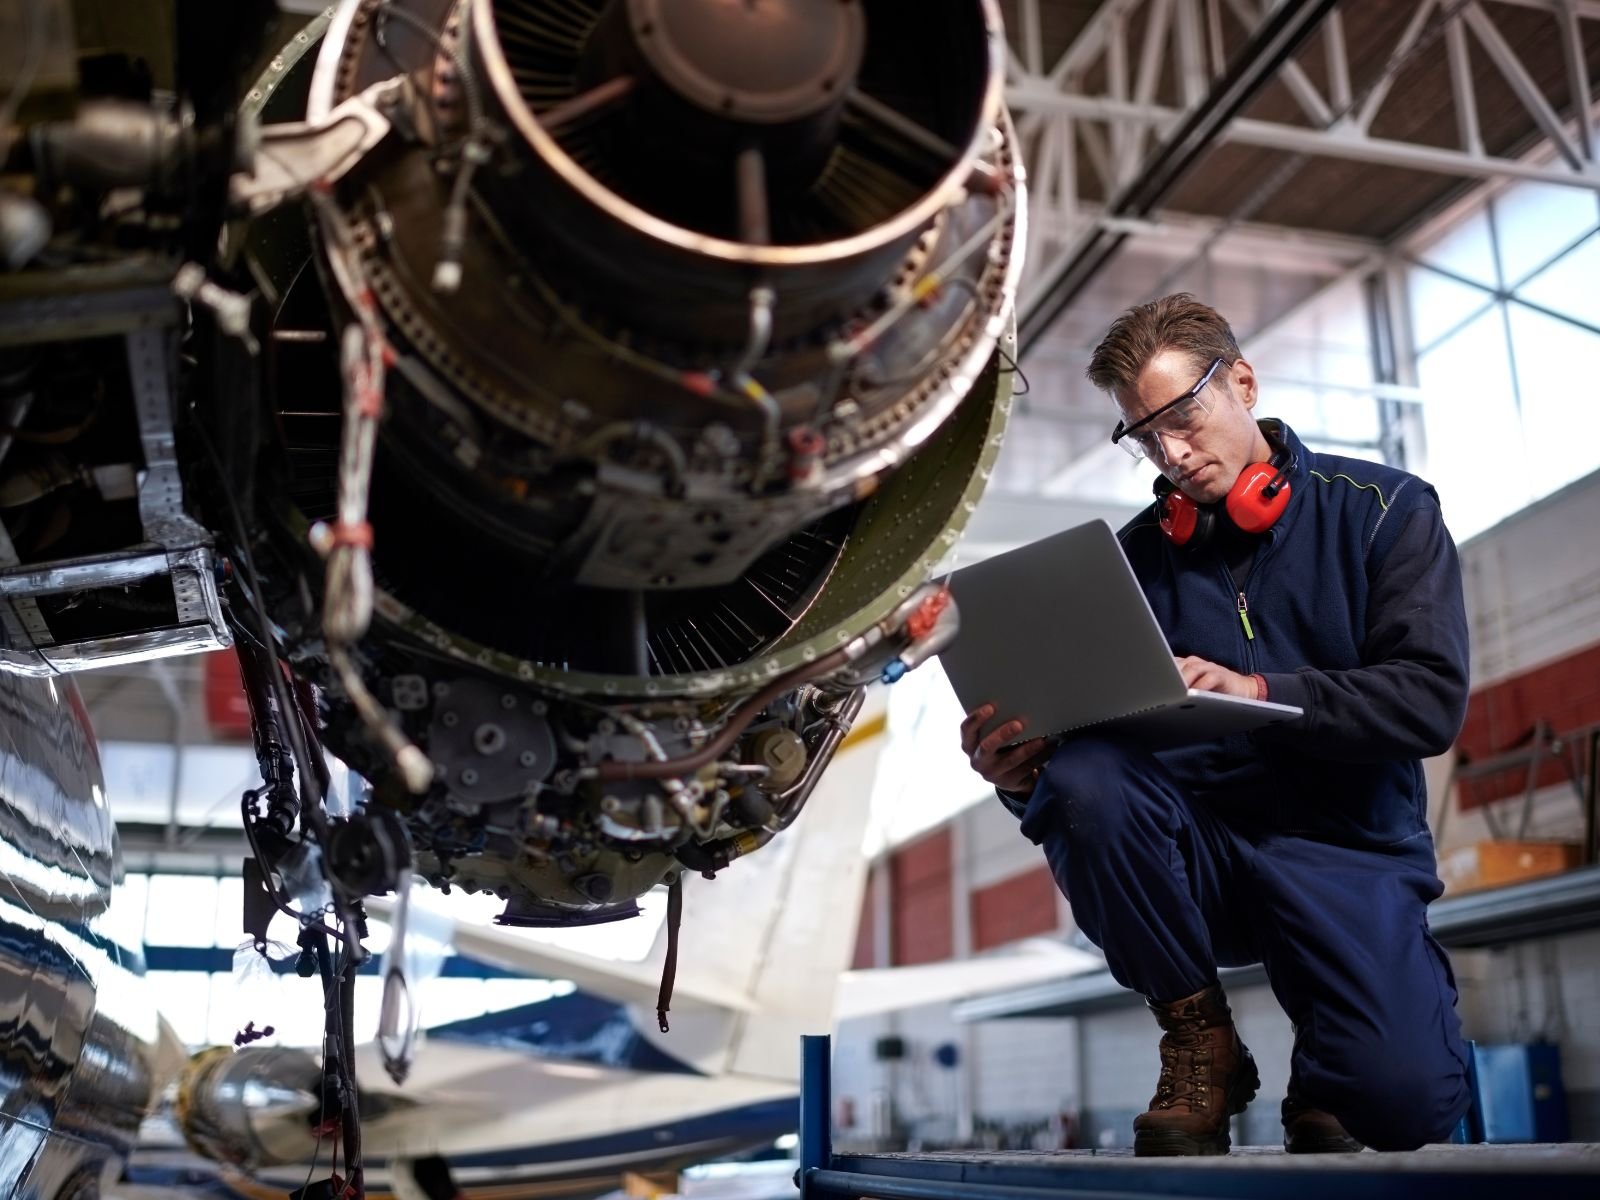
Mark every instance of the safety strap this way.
pixel 669 969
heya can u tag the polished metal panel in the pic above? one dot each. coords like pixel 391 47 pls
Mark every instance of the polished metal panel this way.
pixel 78 1030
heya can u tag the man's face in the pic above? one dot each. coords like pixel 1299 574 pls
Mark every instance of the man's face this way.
pixel 1221 437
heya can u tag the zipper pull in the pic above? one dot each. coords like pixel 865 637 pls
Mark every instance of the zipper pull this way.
pixel 1244 619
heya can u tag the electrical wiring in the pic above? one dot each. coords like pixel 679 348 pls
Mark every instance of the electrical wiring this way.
pixel 475 151
pixel 312 816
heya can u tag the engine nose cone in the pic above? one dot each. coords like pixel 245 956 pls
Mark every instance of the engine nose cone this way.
pixel 763 61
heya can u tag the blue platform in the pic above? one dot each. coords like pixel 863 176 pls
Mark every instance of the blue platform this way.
pixel 1451 1172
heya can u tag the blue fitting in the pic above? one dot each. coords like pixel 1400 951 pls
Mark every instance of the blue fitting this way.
pixel 894 670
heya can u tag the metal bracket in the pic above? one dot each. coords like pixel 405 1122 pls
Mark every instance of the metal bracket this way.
pixel 175 546
pixel 291 157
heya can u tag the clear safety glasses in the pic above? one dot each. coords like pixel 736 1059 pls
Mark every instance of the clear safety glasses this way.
pixel 1180 419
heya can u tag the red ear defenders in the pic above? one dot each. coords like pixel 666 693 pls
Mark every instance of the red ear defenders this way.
pixel 1254 503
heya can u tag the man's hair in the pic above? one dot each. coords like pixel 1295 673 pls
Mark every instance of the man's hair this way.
pixel 1176 322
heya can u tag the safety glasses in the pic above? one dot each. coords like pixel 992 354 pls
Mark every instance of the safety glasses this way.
pixel 1180 418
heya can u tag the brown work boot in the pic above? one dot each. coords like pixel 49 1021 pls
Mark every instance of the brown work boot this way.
pixel 1207 1075
pixel 1308 1130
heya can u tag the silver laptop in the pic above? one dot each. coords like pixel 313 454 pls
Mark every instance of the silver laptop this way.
pixel 1059 634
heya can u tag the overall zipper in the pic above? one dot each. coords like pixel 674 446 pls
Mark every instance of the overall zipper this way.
pixel 1242 603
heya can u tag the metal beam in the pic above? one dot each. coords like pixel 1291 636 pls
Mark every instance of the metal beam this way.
pixel 1269 47
pixel 1466 102
pixel 1338 61
pixel 1589 9
pixel 1123 141
pixel 1407 42
pixel 1522 84
pixel 1091 39
pixel 1578 79
pixel 1191 53
pixel 1402 154
pixel 1032 37
pixel 1335 143
pixel 1320 252
pixel 1219 55
pixel 1294 78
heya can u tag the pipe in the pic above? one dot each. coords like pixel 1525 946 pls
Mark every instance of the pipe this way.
pixel 615 772
pixel 793 799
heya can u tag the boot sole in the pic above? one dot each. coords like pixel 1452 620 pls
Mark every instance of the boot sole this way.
pixel 1166 1143
pixel 1344 1145
pixel 1170 1143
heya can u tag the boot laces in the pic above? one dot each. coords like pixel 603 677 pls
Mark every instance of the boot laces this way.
pixel 1184 1082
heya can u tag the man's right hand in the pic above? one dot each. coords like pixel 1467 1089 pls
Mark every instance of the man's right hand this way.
pixel 1013 770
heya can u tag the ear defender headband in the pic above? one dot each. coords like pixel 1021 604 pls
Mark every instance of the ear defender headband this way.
pixel 1254 502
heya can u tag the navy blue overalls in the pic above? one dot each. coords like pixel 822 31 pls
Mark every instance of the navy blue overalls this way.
pixel 1303 847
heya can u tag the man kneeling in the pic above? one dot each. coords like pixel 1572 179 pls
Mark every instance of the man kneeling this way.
pixel 1327 583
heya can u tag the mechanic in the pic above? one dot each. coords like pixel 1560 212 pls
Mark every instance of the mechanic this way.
pixel 1309 579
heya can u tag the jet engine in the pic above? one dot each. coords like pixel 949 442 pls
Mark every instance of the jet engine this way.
pixel 629 387
pixel 561 405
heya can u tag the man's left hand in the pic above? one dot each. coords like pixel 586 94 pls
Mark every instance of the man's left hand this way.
pixel 1206 676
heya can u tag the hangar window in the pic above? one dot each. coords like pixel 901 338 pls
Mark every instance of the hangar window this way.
pixel 1315 372
pixel 1506 321
pixel 199 987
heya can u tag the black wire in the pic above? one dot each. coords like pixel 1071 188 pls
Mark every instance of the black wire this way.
pixel 347 1055
pixel 310 802
pixel 1012 367
pixel 282 906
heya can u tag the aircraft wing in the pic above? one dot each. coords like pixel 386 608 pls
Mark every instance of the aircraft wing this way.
pixel 624 982
pixel 867 993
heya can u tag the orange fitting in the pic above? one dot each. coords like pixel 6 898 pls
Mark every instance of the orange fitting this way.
pixel 699 383
pixel 342 533
pixel 926 615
